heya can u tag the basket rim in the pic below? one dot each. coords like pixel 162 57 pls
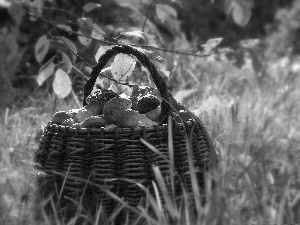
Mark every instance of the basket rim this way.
pixel 113 130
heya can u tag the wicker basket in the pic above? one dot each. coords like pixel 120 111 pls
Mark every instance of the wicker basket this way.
pixel 68 157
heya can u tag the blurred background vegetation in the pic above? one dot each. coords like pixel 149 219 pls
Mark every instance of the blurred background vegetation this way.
pixel 247 95
pixel 275 23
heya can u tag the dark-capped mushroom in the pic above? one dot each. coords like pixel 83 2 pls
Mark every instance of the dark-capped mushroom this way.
pixel 150 106
pixel 97 101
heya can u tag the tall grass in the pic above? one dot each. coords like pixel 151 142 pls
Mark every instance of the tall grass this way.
pixel 254 127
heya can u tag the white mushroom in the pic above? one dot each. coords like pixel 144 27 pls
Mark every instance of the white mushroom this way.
pixel 94 122
pixel 132 118
pixel 82 114
pixel 60 117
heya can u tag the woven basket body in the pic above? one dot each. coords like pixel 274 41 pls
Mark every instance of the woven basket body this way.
pixel 107 158
pixel 82 163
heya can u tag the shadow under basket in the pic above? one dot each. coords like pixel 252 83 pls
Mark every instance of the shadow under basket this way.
pixel 86 166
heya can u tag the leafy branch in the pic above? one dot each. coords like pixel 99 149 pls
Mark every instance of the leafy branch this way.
pixel 120 43
pixel 60 66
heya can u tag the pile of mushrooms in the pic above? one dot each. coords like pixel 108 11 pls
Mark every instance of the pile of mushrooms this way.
pixel 107 109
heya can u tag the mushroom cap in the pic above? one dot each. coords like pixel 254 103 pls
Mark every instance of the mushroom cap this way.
pixel 110 126
pixel 147 103
pixel 68 122
pixel 114 107
pixel 128 118
pixel 82 114
pixel 132 118
pixel 73 114
pixel 77 125
pixel 145 121
pixel 137 93
pixel 94 109
pixel 99 96
pixel 60 117
pixel 181 116
pixel 185 115
pixel 154 114
pixel 94 122
pixel 155 92
pixel 98 99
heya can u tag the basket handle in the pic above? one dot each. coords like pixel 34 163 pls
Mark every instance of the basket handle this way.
pixel 146 62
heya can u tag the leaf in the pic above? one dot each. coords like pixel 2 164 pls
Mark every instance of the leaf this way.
pixel 228 6
pixel 238 58
pixel 46 71
pixel 122 66
pixel 71 46
pixel 159 62
pixel 66 63
pixel 64 27
pixel 256 62
pixel 90 6
pixel 115 88
pixel 165 12
pixel 101 51
pixel 241 12
pixel 5 3
pixel 17 11
pixel 211 44
pixel 152 55
pixel 37 7
pixel 85 29
pixel 12 208
pixel 162 69
pixel 134 37
pixel 41 48
pixel 100 81
pixel 183 94
pixel 249 43
pixel 137 33
pixel 151 82
pixel 62 84
pixel 97 32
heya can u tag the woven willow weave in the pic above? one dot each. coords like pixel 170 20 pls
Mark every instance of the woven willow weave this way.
pixel 87 161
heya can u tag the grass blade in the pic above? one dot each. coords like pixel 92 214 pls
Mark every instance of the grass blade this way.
pixel 171 154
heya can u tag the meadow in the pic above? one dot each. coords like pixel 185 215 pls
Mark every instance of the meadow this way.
pixel 251 114
pixel 253 123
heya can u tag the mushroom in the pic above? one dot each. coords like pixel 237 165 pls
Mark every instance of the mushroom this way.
pixel 73 114
pixel 117 111
pixel 97 101
pixel 60 117
pixel 82 114
pixel 110 126
pixel 138 92
pixel 150 106
pixel 132 118
pixel 77 125
pixel 94 122
pixel 185 115
pixel 68 122
pixel 71 123
pixel 79 115
pixel 155 92
pixel 154 114
pixel 114 107
pixel 94 109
